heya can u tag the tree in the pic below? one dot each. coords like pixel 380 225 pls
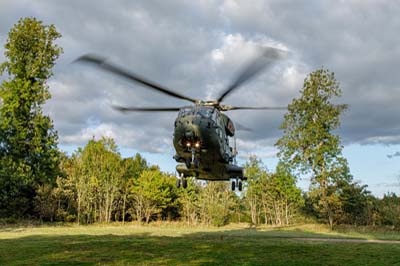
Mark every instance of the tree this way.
pixel 285 194
pixel 93 180
pixel 28 141
pixel 46 202
pixel 133 167
pixel 356 203
pixel 102 167
pixel 389 208
pixel 308 144
pixel 152 193
pixel 189 201
pixel 272 197
pixel 216 203
pixel 98 179
pixel 255 172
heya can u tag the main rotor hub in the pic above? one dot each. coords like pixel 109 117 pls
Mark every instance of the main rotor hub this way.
pixel 212 103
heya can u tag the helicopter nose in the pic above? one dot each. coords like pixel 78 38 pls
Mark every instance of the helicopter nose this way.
pixel 189 133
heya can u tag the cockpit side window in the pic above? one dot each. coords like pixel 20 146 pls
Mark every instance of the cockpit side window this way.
pixel 216 117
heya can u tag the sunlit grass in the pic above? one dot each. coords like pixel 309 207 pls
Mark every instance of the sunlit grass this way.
pixel 182 244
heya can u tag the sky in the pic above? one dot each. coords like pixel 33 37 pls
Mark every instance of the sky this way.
pixel 197 47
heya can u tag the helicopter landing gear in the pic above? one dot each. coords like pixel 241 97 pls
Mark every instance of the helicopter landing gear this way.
pixel 237 184
pixel 193 153
pixel 192 162
pixel 181 181
pixel 240 186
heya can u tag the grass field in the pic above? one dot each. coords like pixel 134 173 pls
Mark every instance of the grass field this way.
pixel 176 244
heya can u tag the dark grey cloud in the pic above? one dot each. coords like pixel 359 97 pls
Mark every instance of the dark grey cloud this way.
pixel 196 47
pixel 355 39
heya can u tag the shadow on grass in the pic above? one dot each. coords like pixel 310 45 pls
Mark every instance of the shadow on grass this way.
pixel 234 247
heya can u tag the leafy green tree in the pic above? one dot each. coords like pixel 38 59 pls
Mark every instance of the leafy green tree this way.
pixel 356 203
pixel 285 193
pixel 64 195
pixel 75 182
pixel 46 202
pixel 93 180
pixel 152 193
pixel 102 172
pixel 216 203
pixel 255 172
pixel 272 197
pixel 98 184
pixel 28 141
pixel 133 167
pixel 189 202
pixel 309 145
pixel 389 210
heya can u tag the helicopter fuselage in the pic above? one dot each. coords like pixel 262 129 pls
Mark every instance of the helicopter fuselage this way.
pixel 201 141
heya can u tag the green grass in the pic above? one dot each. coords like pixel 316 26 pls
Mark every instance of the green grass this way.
pixel 176 244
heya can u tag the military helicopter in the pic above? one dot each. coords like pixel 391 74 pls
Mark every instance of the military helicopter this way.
pixel 202 131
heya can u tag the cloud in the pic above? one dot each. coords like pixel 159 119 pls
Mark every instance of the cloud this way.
pixel 260 155
pixel 387 185
pixel 197 47
pixel 396 154
pixel 355 40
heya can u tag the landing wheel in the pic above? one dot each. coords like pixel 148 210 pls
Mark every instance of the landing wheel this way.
pixel 178 183
pixel 233 185
pixel 184 183
pixel 240 186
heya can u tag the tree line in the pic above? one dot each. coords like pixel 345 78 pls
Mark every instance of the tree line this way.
pixel 99 186
pixel 95 184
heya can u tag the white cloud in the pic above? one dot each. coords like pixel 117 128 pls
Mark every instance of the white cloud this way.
pixel 261 155
pixel 382 139
pixel 86 134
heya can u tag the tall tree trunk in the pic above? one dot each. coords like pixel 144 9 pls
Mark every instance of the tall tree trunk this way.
pixel 330 217
pixel 287 212
pixel 253 211
pixel 123 208
pixel 79 209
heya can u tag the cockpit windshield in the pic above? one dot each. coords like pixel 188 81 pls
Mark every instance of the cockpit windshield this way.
pixel 205 111
pixel 202 111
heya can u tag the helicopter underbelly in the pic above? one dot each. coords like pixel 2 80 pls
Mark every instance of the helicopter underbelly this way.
pixel 219 171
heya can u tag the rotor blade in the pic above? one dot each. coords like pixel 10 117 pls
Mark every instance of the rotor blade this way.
pixel 229 108
pixel 266 57
pixel 145 109
pixel 103 64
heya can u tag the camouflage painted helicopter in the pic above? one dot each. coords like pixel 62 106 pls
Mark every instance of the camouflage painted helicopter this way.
pixel 202 131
